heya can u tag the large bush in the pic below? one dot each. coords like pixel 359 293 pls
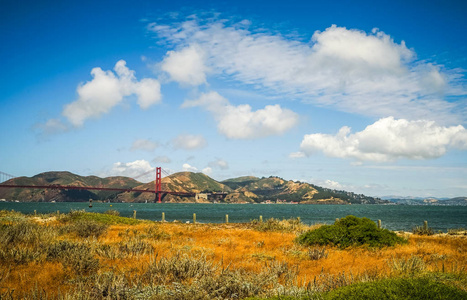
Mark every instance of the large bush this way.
pixel 350 231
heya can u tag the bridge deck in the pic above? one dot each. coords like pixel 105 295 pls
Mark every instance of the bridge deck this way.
pixel 71 187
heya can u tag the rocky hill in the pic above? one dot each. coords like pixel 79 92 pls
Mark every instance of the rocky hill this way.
pixel 275 189
pixel 247 189
pixel 64 178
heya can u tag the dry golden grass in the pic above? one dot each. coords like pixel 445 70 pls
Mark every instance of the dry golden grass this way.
pixel 238 246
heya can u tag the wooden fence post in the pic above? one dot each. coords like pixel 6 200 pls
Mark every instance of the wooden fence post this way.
pixel 134 214
pixel 261 219
pixel 425 225
pixel 163 217
pixel 194 218
pixel 226 218
pixel 379 224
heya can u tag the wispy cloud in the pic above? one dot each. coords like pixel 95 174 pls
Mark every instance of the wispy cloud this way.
pixel 50 127
pixel 162 159
pixel 131 169
pixel 189 142
pixel 144 145
pixel 348 69
pixel 219 163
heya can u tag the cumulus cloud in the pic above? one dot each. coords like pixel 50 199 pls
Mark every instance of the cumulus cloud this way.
pixel 106 90
pixel 188 168
pixel 241 122
pixel 144 145
pixel 388 139
pixel 131 169
pixel 349 69
pixel 330 184
pixel 189 142
pixel 186 66
pixel 207 171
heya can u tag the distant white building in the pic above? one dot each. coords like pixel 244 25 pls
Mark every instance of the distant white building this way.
pixel 203 196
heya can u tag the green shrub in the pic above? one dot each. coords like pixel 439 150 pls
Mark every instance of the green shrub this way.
pixel 76 257
pixel 20 255
pixel 85 228
pixel 350 231
pixel 421 230
pixel 105 218
pixel 112 212
pixel 287 225
pixel 25 233
pixel 457 231
pixel 411 266
pixel 317 253
pixel 398 288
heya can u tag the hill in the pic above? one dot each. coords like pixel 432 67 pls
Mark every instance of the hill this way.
pixel 247 189
pixel 187 182
pixel 276 189
pixel 64 178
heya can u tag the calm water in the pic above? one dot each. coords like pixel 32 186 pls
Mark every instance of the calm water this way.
pixel 394 217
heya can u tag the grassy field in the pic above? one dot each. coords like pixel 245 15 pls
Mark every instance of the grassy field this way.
pixel 103 256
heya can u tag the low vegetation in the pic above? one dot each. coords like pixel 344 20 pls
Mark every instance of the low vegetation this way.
pixel 83 255
pixel 351 231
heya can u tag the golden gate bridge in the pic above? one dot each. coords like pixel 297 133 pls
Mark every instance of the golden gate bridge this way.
pixel 158 192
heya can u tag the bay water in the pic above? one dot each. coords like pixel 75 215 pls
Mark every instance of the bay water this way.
pixel 393 217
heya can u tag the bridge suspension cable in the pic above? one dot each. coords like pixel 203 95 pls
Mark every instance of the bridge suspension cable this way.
pixel 145 173
pixel 5 176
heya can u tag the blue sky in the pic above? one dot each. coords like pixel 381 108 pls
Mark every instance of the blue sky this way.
pixel 361 96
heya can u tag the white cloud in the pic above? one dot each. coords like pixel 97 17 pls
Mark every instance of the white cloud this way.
pixel 207 170
pixel 219 163
pixel 145 145
pixel 189 142
pixel 241 122
pixel 188 168
pixel 389 139
pixel 162 159
pixel 50 127
pixel 186 66
pixel 106 90
pixel 349 69
pixel 330 184
pixel 132 169
pixel 298 154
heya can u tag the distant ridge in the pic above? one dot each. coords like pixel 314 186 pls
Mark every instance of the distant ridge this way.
pixel 457 201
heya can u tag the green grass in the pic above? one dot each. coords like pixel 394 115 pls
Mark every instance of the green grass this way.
pixel 407 288
pixel 107 219
pixel 398 288
pixel 350 231
pixel 285 225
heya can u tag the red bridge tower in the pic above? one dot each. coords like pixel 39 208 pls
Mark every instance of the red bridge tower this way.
pixel 158 185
